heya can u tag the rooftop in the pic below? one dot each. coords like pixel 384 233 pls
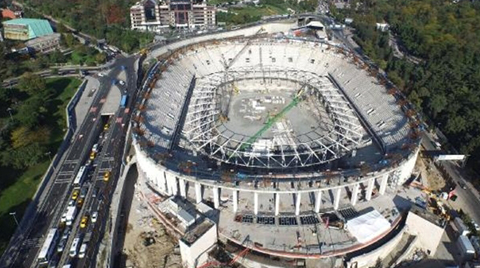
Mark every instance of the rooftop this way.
pixel 191 236
pixel 425 214
pixel 36 27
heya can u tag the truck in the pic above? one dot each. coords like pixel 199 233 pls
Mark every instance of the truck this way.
pixel 87 237
pixel 461 227
pixel 71 214
pixel 465 248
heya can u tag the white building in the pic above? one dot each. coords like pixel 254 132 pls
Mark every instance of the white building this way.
pixel 196 244
pixel 150 15
pixel 44 44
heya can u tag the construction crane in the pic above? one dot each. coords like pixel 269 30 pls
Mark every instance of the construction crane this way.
pixel 235 88
pixel 227 65
pixel 272 120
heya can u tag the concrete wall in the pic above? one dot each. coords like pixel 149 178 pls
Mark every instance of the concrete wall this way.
pixel 407 168
pixel 429 234
pixel 195 254
pixel 370 258
pixel 269 27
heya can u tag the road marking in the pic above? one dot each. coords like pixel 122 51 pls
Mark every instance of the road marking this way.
pixel 65 173
pixel 61 182
pixel 32 243
pixel 103 100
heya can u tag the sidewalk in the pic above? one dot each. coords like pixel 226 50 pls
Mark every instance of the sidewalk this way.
pixel 85 102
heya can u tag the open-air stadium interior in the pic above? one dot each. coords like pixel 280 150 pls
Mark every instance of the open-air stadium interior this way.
pixel 272 131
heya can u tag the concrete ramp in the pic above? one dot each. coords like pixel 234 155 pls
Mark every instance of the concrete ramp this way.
pixel 112 101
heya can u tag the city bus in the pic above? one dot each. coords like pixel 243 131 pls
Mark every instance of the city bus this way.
pixel 80 176
pixel 123 102
pixel 48 247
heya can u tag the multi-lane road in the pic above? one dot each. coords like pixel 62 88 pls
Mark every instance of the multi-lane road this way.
pixel 53 200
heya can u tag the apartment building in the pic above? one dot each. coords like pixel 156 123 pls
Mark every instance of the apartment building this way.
pixel 150 15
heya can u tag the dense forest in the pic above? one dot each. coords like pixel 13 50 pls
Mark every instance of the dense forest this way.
pixel 440 66
pixel 250 12
pixel 109 20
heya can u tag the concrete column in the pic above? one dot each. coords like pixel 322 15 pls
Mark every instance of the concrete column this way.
pixel 297 204
pixel 255 203
pixel 383 184
pixel 277 204
pixel 336 202
pixel 161 181
pixel 235 201
pixel 368 193
pixel 198 192
pixel 173 185
pixel 318 201
pixel 168 189
pixel 183 188
pixel 355 191
pixel 216 198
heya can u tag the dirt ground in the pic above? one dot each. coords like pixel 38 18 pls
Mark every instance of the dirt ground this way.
pixel 431 178
pixel 146 242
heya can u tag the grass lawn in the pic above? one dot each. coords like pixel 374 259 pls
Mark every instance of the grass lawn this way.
pixel 265 10
pixel 65 88
pixel 19 186
pixel 216 2
pixel 248 13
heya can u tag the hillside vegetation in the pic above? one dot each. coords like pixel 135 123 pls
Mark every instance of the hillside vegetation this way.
pixel 445 82
pixel 108 20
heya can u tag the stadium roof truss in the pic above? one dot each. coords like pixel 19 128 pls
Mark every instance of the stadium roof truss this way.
pixel 207 134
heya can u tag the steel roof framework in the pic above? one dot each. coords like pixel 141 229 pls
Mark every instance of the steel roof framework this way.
pixel 209 136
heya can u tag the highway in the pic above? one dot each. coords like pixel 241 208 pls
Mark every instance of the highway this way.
pixel 24 248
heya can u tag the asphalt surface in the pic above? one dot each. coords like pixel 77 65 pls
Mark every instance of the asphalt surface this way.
pixel 23 252
pixel 467 199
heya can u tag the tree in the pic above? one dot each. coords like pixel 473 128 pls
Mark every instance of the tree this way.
pixel 23 157
pixel 31 112
pixel 100 58
pixel 57 57
pixel 23 136
pixel 61 28
pixel 3 62
pixel 31 83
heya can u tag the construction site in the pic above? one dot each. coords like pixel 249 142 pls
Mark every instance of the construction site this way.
pixel 277 152
pixel 147 243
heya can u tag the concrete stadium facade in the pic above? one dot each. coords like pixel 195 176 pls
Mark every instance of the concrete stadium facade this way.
pixel 173 164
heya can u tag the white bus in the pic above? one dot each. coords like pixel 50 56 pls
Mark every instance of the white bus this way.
pixel 80 176
pixel 48 247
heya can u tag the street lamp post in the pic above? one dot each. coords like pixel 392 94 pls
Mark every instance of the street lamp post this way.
pixel 14 215
pixel 49 155
pixel 9 110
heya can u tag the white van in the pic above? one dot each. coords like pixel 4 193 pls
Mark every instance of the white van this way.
pixel 74 247
pixel 83 250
